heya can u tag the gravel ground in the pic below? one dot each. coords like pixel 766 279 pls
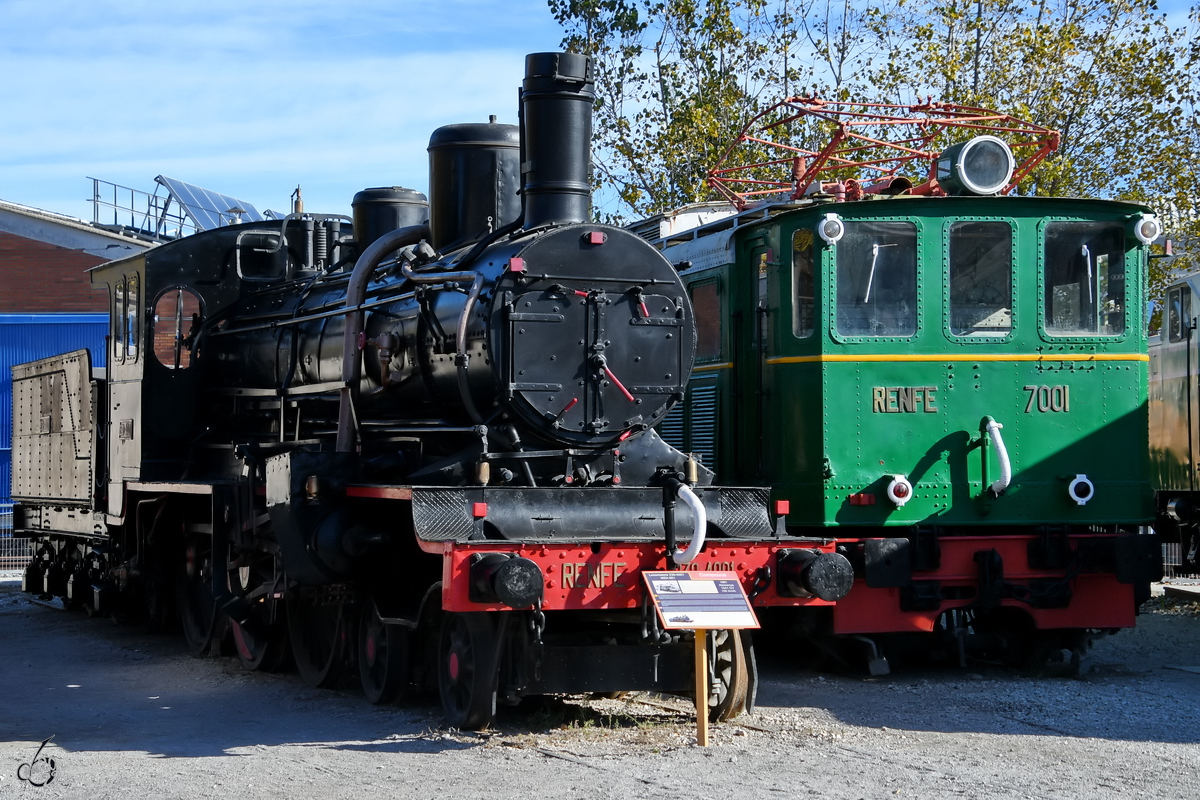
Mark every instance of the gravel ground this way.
pixel 134 716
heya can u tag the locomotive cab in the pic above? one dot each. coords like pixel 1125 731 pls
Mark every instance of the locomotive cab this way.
pixel 955 388
pixel 161 304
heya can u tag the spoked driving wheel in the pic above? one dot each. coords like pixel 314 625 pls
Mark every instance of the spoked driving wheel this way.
pixel 467 669
pixel 730 667
pixel 383 656
pixel 197 608
pixel 261 643
pixel 316 627
pixel 265 650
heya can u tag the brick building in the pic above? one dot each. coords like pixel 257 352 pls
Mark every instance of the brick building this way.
pixel 44 258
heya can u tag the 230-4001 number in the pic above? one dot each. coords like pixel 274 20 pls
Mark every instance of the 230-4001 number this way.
pixel 1048 398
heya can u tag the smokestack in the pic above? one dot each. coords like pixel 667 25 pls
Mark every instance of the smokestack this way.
pixel 556 138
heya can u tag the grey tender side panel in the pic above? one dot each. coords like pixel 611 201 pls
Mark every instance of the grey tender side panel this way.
pixel 54 429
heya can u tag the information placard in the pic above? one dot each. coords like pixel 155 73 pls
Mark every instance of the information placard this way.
pixel 691 600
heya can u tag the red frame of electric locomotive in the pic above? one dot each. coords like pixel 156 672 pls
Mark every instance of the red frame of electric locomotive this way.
pixel 1098 600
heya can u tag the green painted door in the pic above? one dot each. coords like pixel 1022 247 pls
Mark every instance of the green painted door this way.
pixel 752 335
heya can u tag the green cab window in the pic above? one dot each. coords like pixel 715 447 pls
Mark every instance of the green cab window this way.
pixel 803 305
pixel 877 279
pixel 980 256
pixel 1084 279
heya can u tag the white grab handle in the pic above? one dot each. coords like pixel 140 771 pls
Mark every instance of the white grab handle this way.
pixel 699 524
pixel 1001 483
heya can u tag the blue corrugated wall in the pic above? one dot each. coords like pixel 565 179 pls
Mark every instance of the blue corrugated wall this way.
pixel 28 337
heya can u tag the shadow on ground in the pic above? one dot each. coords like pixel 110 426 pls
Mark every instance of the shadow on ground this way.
pixel 96 685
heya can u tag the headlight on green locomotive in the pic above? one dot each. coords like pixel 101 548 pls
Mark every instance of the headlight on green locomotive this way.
pixel 983 165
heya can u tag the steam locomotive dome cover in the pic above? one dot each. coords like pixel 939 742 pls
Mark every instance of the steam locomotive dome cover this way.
pixel 592 334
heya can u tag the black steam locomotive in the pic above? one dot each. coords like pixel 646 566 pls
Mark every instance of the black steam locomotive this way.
pixel 423 449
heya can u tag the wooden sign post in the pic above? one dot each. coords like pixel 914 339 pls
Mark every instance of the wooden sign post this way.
pixel 702 687
pixel 700 601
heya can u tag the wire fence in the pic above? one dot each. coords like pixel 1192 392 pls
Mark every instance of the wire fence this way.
pixel 1173 561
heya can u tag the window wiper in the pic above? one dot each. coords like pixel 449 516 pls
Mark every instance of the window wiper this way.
pixel 1087 259
pixel 874 260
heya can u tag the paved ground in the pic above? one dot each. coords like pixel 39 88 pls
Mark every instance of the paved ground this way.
pixel 133 716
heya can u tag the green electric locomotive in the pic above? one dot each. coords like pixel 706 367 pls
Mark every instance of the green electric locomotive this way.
pixel 1173 421
pixel 949 381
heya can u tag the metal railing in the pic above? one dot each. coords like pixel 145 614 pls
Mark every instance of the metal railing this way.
pixel 15 553
pixel 1173 561
pixel 135 210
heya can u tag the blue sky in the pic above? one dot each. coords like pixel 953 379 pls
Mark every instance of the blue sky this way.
pixel 249 98
pixel 252 98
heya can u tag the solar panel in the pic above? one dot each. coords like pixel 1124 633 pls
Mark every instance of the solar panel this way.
pixel 208 210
